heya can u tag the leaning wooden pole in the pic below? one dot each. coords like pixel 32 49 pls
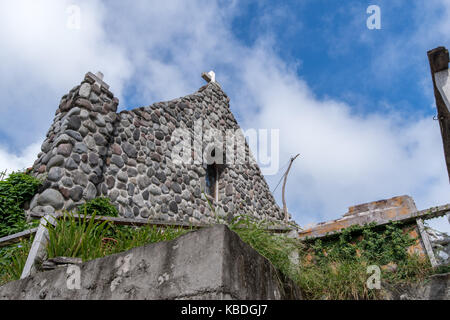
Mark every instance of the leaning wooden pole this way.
pixel 286 215
pixel 439 59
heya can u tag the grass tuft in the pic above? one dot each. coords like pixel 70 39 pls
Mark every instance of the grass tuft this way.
pixel 12 260
pixel 337 270
pixel 277 248
pixel 89 239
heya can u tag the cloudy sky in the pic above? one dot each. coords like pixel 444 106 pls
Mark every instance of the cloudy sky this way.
pixel 357 104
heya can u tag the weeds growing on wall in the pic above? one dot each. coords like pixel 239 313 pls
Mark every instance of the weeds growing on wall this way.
pixel 337 268
pixel 346 279
pixel 275 247
pixel 12 260
pixel 15 190
pixel 83 238
pixel 89 239
pixel 332 269
pixel 380 246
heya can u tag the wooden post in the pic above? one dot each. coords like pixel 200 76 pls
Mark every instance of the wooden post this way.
pixel 427 243
pixel 286 215
pixel 439 59
pixel 37 250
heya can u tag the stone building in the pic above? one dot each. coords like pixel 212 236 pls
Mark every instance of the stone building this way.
pixel 136 158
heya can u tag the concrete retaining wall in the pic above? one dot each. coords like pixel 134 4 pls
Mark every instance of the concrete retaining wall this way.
pixel 212 263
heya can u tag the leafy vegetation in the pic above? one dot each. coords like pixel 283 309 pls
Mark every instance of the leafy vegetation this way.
pixel 99 206
pixel 15 190
pixel 337 268
pixel 380 246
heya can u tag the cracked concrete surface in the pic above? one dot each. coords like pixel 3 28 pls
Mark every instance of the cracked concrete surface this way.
pixel 212 263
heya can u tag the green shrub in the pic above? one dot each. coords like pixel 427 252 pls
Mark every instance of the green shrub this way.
pixel 335 268
pixel 387 245
pixel 376 245
pixel 15 190
pixel 99 206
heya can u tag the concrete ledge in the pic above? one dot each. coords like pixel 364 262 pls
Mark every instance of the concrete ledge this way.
pixel 211 263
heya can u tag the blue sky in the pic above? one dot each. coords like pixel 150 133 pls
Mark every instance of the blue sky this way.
pixel 356 103
pixel 339 57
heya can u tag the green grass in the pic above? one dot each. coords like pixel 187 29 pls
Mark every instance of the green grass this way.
pixel 341 274
pixel 12 260
pixel 83 238
pixel 276 248
pixel 345 279
pixel 88 239
pixel 335 280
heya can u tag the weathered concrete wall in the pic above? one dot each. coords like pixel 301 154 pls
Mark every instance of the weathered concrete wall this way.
pixel 379 212
pixel 212 263
pixel 92 151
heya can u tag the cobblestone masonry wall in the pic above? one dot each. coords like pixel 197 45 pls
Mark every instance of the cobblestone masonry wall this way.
pixel 92 151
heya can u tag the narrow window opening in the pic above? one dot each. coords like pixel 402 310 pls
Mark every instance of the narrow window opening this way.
pixel 213 173
pixel 211 179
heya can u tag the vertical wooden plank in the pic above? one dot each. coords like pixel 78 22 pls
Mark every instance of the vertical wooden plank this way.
pixel 439 59
pixel 37 250
pixel 427 243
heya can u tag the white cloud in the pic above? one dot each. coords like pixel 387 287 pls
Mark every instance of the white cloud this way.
pixel 346 158
pixel 21 161
pixel 153 51
pixel 42 59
